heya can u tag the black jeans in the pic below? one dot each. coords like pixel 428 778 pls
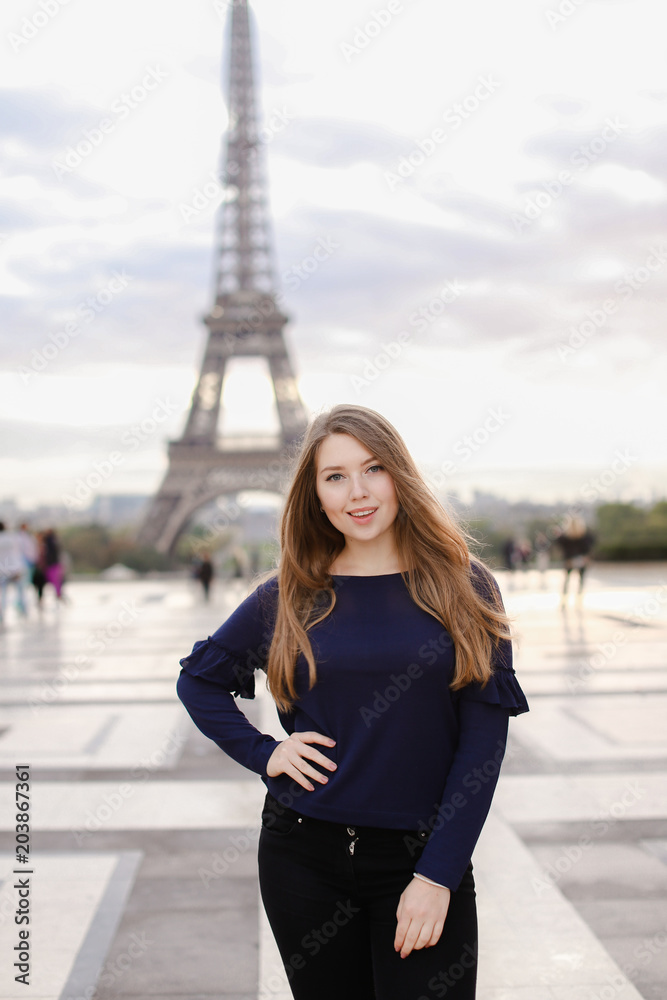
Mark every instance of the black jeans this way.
pixel 331 893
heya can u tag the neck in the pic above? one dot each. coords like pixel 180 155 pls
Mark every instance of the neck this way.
pixel 373 558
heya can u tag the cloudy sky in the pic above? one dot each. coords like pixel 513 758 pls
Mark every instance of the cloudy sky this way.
pixel 488 178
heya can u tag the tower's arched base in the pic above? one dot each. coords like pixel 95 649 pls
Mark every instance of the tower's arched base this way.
pixel 197 475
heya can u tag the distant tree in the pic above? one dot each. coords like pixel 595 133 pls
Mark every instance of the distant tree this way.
pixel 488 541
pixel 93 548
pixel 628 532
pixel 88 546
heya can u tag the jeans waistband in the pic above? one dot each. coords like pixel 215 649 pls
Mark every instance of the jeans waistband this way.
pixel 279 809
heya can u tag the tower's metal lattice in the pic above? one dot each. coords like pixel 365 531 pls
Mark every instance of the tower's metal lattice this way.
pixel 245 321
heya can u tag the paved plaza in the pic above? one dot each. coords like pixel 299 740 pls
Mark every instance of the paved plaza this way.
pixel 142 877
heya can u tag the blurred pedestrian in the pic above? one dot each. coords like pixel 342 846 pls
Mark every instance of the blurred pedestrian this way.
pixel 38 574
pixel 576 541
pixel 368 822
pixel 524 550
pixel 204 573
pixel 30 550
pixel 12 569
pixel 511 554
pixel 52 562
pixel 542 550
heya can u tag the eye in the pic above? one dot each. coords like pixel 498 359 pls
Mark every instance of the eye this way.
pixel 333 476
pixel 371 468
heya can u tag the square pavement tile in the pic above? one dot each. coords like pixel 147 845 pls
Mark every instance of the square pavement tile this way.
pixel 180 956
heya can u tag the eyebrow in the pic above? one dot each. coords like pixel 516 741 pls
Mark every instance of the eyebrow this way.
pixel 338 468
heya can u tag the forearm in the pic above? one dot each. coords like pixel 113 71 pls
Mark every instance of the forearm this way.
pixel 216 714
pixel 472 779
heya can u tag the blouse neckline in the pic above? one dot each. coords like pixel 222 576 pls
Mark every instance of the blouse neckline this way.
pixel 362 576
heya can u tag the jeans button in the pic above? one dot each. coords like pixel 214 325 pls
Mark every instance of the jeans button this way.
pixel 351 831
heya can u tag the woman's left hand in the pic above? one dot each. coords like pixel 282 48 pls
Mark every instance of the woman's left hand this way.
pixel 421 914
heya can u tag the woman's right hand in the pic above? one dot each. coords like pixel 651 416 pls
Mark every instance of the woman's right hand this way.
pixel 292 757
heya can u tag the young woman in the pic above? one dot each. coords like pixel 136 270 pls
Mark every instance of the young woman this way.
pixel 387 654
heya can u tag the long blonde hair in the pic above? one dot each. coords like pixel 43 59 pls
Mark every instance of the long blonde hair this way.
pixel 431 546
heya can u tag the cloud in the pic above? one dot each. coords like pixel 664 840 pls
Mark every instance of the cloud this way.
pixel 40 440
pixel 562 105
pixel 341 143
pixel 37 117
pixel 613 141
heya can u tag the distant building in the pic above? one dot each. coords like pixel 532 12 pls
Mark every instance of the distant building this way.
pixel 10 513
pixel 117 510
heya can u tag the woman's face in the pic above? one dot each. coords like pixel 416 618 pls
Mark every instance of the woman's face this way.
pixel 357 494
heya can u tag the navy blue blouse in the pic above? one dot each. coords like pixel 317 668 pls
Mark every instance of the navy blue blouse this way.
pixel 412 754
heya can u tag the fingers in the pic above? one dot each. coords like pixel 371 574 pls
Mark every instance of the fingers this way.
pixel 315 738
pixel 297 752
pixel 302 769
pixel 435 936
pixel 412 935
pixel 312 754
pixel 420 916
pixel 292 756
pixel 293 772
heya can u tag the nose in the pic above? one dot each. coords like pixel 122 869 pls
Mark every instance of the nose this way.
pixel 358 486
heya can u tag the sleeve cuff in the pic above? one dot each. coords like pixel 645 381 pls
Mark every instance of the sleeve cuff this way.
pixel 430 881
pixel 263 754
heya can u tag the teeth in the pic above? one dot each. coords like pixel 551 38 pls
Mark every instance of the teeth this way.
pixel 364 513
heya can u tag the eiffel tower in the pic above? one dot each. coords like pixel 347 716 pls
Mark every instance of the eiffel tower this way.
pixel 245 321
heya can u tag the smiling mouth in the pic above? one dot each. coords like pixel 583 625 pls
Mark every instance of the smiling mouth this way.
pixel 362 515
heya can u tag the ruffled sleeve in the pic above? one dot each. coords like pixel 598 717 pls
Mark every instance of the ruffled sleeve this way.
pixel 215 663
pixel 503 687
pixel 240 646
